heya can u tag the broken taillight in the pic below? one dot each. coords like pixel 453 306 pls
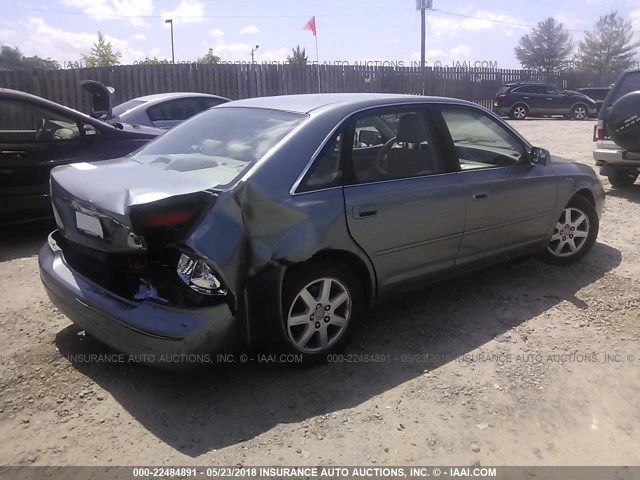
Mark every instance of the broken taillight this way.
pixel 166 219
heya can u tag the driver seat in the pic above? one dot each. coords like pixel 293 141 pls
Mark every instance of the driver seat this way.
pixel 412 157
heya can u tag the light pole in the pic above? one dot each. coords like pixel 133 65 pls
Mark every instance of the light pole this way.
pixel 423 6
pixel 173 58
pixel 253 51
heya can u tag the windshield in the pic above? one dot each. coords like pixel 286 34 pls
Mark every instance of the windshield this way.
pixel 219 144
pixel 124 107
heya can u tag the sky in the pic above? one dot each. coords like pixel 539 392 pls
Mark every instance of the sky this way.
pixel 348 30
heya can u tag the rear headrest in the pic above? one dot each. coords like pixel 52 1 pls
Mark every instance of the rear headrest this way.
pixel 412 129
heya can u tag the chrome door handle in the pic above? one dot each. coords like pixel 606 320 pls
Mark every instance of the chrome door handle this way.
pixel 365 211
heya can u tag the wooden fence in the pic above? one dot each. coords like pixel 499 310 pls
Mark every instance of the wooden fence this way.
pixel 242 81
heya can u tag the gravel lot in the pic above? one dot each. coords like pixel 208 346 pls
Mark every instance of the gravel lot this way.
pixel 524 364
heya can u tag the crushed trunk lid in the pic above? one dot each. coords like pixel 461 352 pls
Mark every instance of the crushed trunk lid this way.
pixel 125 206
pixel 102 98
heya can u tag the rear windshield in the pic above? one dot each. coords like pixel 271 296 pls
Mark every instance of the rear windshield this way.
pixel 504 89
pixel 124 107
pixel 219 144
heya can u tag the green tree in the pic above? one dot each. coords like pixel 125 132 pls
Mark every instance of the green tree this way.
pixel 609 47
pixel 546 48
pixel 153 61
pixel 209 58
pixel 38 62
pixel 298 56
pixel 102 54
pixel 10 55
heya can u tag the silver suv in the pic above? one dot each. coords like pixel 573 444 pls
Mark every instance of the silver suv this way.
pixel 620 166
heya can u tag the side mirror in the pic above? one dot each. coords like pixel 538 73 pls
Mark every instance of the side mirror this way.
pixel 88 131
pixel 539 156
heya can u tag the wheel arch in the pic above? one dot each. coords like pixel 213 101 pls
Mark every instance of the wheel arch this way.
pixel 264 294
pixel 364 272
pixel 520 102
pixel 586 194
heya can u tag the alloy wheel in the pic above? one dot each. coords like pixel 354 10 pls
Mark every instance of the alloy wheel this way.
pixel 580 113
pixel 570 234
pixel 520 112
pixel 319 315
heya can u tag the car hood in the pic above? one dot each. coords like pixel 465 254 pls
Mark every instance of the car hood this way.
pixel 101 98
pixel 114 186
pixel 569 165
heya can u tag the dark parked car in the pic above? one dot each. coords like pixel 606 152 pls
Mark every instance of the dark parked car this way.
pixel 286 217
pixel 620 165
pixel 164 110
pixel 597 94
pixel 523 99
pixel 37 135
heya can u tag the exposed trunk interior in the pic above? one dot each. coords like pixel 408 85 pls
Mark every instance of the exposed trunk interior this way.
pixel 134 256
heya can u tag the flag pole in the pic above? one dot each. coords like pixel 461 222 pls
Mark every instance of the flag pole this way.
pixel 318 63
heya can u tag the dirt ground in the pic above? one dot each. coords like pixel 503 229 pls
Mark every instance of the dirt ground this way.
pixel 523 364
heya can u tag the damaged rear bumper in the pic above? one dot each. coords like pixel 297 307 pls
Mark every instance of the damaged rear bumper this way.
pixel 153 332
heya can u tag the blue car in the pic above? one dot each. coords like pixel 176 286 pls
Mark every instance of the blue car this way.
pixel 285 218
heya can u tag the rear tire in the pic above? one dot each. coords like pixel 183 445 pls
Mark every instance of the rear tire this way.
pixel 575 233
pixel 321 305
pixel 622 178
pixel 519 111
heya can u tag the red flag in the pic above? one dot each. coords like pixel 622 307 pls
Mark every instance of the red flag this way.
pixel 311 25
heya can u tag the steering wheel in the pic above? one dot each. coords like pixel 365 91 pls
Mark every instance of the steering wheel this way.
pixel 41 129
pixel 381 158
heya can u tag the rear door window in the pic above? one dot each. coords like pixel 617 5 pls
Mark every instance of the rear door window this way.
pixel 326 172
pixel 175 110
pixel 552 90
pixel 533 89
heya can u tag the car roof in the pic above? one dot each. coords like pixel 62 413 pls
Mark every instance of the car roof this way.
pixel 307 103
pixel 517 84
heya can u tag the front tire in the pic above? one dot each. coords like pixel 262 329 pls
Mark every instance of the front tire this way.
pixel 575 233
pixel 622 178
pixel 519 112
pixel 322 305
pixel 580 112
